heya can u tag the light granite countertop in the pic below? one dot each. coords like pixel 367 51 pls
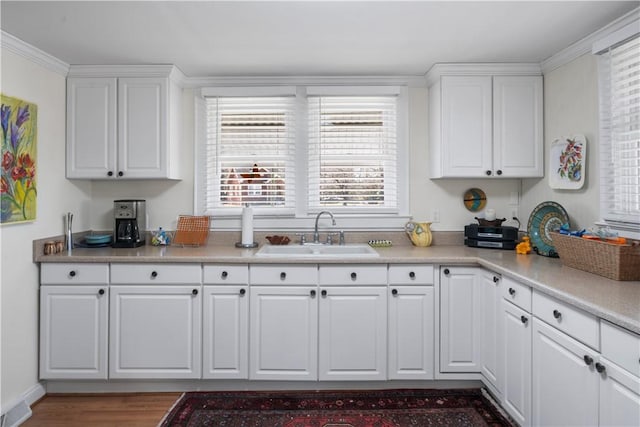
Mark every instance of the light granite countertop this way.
pixel 616 301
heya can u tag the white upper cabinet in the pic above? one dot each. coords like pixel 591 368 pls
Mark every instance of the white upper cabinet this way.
pixel 121 127
pixel 517 126
pixel 485 121
pixel 91 127
pixel 466 126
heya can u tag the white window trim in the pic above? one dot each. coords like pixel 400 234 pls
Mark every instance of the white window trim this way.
pixel 303 220
pixel 600 46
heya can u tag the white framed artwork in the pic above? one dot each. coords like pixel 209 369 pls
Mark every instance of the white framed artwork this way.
pixel 567 162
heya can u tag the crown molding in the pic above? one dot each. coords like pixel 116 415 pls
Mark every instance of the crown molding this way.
pixel 584 45
pixel 32 53
pixel 408 80
pixel 478 69
pixel 147 70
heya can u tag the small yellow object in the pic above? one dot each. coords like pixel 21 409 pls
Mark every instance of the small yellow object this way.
pixel 419 233
pixel 524 247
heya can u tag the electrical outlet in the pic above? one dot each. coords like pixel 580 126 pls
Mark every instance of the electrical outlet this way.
pixel 514 212
pixel 435 215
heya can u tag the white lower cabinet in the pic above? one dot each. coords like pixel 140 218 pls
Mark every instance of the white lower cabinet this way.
pixel 460 320
pixel 490 329
pixel 73 332
pixel 283 333
pixel 564 379
pixel 411 322
pixel 620 379
pixel 353 333
pixel 155 331
pixel 514 358
pixel 411 332
pixel 225 332
pixel 550 363
pixel 619 396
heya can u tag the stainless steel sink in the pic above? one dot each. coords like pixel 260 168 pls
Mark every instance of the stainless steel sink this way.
pixel 317 251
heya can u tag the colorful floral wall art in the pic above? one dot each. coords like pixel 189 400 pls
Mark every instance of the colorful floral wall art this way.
pixel 568 162
pixel 19 120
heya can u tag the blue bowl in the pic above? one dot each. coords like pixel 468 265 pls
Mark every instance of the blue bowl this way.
pixel 97 239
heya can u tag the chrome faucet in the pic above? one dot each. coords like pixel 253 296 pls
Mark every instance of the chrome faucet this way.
pixel 316 235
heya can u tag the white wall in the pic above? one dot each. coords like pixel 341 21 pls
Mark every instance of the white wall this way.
pixel 166 200
pixel 570 107
pixel 24 79
pixel 446 195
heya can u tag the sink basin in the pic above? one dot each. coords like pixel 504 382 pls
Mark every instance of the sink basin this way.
pixel 317 251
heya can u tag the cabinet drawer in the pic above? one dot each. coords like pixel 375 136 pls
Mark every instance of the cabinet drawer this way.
pixel 575 322
pixel 411 274
pixel 156 274
pixel 620 346
pixel 283 274
pixel 226 274
pixel 67 274
pixel 517 293
pixel 353 274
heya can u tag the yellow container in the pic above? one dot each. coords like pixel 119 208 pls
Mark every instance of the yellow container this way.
pixel 419 233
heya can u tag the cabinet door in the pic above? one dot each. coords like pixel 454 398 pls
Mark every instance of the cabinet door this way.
pixel 353 333
pixel 565 387
pixel 155 332
pixel 225 332
pixel 411 330
pixel 466 126
pixel 73 332
pixel 460 320
pixel 619 396
pixel 283 333
pixel 515 361
pixel 489 306
pixel 517 126
pixel 91 127
pixel 143 115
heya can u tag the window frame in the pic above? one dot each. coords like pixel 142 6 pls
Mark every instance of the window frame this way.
pixel 274 219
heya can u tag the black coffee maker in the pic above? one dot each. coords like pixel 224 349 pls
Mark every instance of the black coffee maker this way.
pixel 131 226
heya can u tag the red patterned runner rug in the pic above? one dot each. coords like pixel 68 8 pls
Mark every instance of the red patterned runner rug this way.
pixel 374 408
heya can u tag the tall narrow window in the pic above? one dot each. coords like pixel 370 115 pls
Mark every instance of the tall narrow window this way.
pixel 250 152
pixel 353 153
pixel 620 134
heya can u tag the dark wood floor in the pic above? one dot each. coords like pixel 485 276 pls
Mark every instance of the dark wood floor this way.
pixel 101 410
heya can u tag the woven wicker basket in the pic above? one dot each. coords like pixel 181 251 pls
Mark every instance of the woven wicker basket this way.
pixel 617 262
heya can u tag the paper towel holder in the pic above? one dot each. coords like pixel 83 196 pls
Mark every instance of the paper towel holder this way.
pixel 246 245
pixel 242 244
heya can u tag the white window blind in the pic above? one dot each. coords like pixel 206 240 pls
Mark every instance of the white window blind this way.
pixel 353 153
pixel 620 134
pixel 250 152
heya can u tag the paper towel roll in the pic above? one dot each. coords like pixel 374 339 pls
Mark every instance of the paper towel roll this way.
pixel 490 214
pixel 247 225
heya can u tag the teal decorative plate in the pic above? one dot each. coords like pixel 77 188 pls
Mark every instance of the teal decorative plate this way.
pixel 98 239
pixel 545 218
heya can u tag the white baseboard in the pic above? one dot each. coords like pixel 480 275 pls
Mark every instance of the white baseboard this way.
pixel 138 386
pixel 20 409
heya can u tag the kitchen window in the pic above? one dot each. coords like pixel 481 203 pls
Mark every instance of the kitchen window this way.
pixel 352 153
pixel 250 152
pixel 291 152
pixel 619 78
